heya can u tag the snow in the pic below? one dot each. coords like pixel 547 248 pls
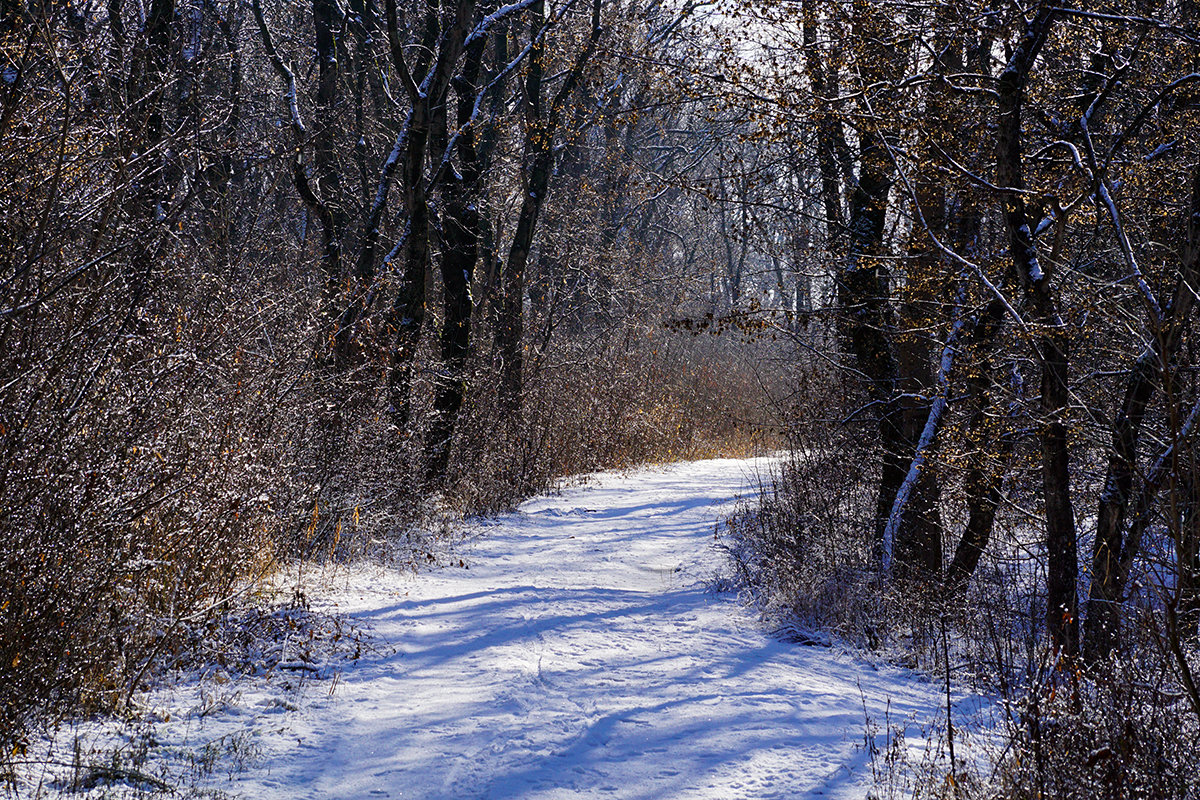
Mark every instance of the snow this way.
pixel 579 653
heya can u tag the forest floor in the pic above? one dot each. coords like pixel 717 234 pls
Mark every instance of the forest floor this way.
pixel 578 651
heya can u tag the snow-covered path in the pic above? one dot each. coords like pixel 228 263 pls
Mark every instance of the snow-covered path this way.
pixel 581 655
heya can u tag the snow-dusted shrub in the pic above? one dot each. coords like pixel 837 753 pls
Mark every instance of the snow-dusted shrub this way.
pixel 144 504
pixel 1126 731
pixel 1128 727
pixel 803 549
pixel 148 478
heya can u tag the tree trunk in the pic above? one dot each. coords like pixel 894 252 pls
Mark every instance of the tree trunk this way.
pixel 435 67
pixel 540 127
pixel 1187 555
pixel 461 234
pixel 408 310
pixel 1052 343
pixel 512 314
pixel 984 484
pixel 984 488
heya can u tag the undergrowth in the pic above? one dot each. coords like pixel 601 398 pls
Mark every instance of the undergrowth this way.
pixel 1046 727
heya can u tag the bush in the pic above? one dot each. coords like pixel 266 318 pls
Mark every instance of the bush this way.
pixel 1126 732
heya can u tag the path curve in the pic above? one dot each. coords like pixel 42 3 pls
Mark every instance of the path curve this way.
pixel 582 655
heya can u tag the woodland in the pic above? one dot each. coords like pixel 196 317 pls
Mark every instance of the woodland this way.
pixel 288 282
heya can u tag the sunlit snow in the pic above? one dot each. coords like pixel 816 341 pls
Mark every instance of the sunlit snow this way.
pixel 580 654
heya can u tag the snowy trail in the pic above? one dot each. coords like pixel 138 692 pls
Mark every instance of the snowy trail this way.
pixel 582 656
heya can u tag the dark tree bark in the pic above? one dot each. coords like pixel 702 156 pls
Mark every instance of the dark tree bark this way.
pixel 984 482
pixel 866 316
pixel 534 182
pixel 151 195
pixel 990 455
pixel 309 194
pixel 327 22
pixel 1187 554
pixel 541 124
pixel 984 488
pixel 918 536
pixel 1052 341
pixel 916 520
pixel 461 236
pixel 827 129
pixel 408 310
pixel 897 367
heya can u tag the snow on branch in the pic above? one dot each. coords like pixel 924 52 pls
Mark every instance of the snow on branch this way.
pixel 932 423
pixel 496 17
pixel 1127 250
pixel 941 246
pixel 475 109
